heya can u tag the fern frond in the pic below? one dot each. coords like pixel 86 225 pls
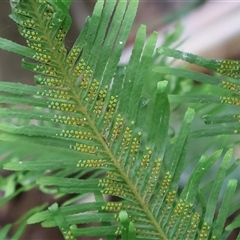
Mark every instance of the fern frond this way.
pixel 92 115
pixel 224 124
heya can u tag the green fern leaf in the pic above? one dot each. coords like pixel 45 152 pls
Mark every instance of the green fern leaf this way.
pixel 225 124
pixel 86 113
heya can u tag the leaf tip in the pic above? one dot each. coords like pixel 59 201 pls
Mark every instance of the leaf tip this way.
pixel 162 86
pixel 189 116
